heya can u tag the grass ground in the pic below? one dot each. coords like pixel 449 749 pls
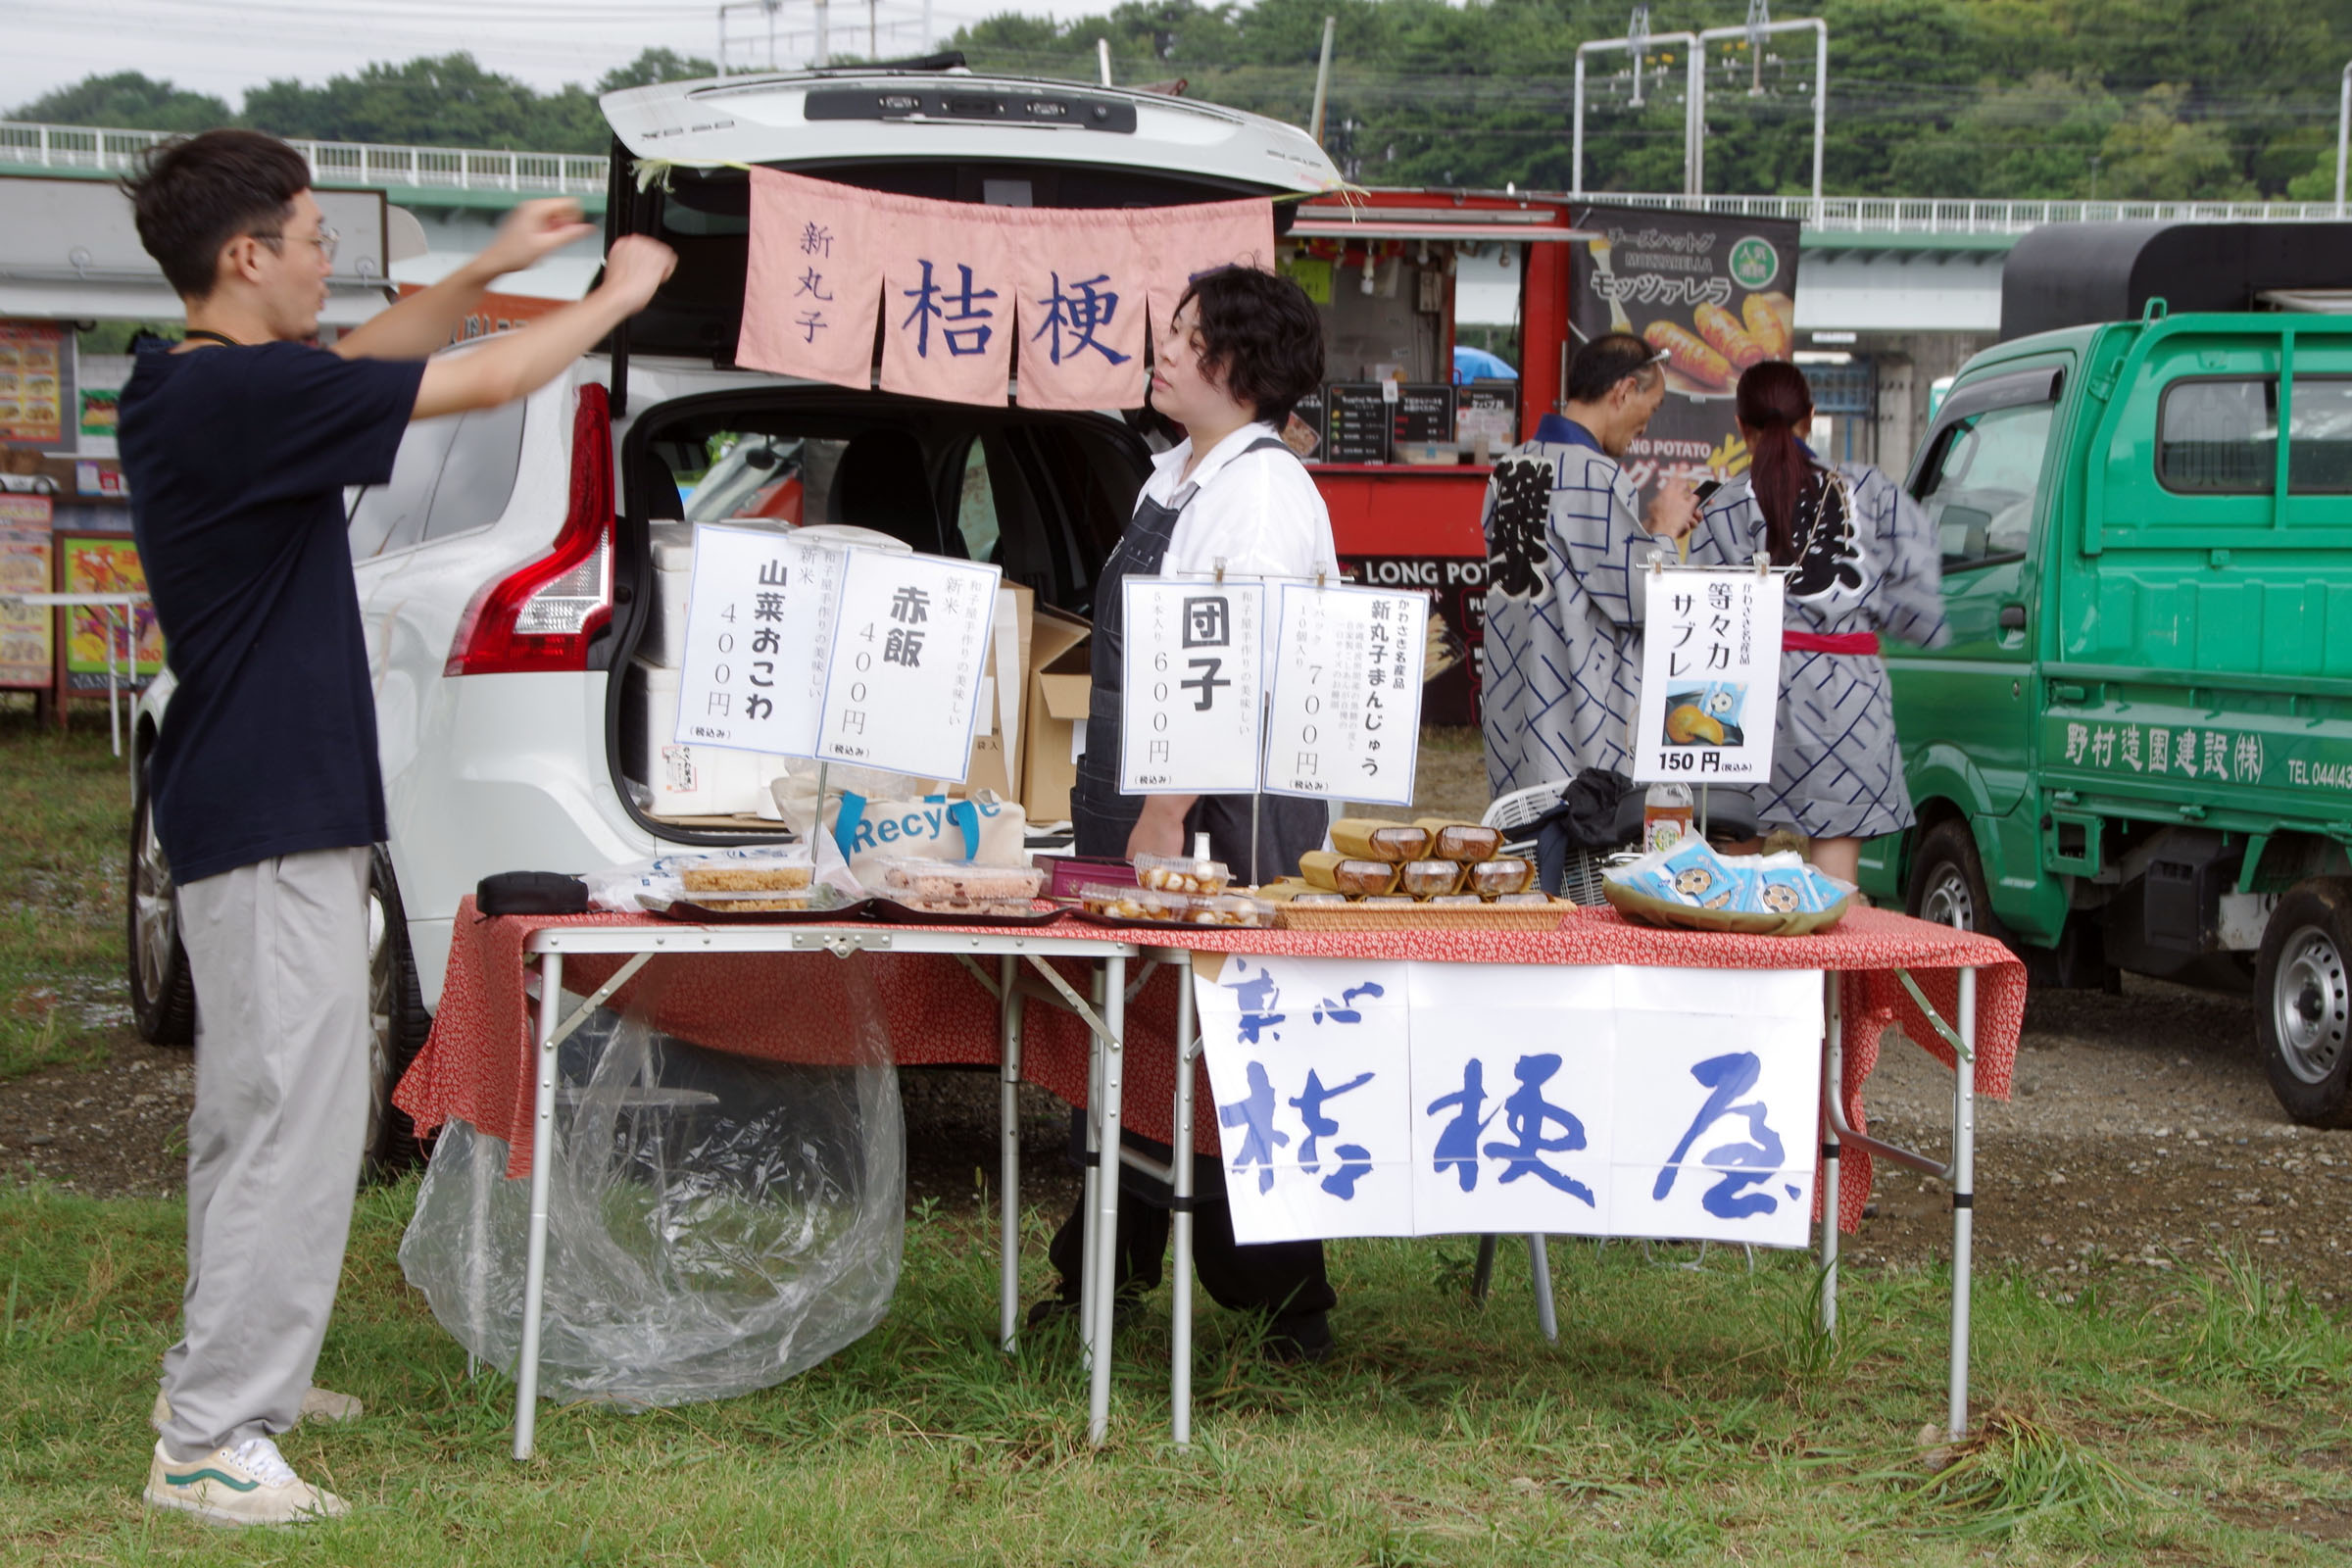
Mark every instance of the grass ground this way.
pixel 1685 1415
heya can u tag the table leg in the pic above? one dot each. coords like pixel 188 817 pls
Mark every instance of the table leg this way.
pixel 1832 1077
pixel 1008 1120
pixel 1179 1160
pixel 1106 1219
pixel 543 1138
pixel 1482 1277
pixel 1090 1193
pixel 1964 1197
pixel 1539 1262
pixel 114 714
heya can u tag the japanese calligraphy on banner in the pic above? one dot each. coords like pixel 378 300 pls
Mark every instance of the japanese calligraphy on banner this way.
pixel 1345 716
pixel 1710 677
pixel 909 648
pixel 1421 1100
pixel 1192 688
pixel 954 287
pixel 759 633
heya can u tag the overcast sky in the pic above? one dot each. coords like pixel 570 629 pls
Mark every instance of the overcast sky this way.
pixel 225 46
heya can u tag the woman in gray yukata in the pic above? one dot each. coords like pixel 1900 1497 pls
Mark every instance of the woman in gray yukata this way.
pixel 1865 565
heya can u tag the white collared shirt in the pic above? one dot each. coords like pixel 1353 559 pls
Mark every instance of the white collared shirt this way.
pixel 1260 514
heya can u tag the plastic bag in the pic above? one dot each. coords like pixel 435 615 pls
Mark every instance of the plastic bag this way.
pixel 618 888
pixel 716 1223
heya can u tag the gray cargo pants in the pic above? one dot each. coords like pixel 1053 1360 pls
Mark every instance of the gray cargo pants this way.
pixel 279 954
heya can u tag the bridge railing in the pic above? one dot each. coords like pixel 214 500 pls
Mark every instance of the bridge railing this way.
pixel 81 148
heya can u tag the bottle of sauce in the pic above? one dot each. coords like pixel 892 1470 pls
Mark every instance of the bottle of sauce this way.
pixel 1665 816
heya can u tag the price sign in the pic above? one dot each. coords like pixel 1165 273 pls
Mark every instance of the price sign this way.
pixel 909 646
pixel 1346 722
pixel 1710 677
pixel 758 624
pixel 1192 687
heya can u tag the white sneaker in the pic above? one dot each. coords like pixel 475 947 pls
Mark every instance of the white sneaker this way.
pixel 318 1404
pixel 250 1483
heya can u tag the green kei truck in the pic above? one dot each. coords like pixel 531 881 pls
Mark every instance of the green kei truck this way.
pixel 2136 754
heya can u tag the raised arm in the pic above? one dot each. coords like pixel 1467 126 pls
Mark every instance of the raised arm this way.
pixel 518 364
pixel 425 320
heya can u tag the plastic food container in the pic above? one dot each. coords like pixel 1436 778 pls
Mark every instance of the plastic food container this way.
pixel 1429 879
pixel 1368 838
pixel 1491 879
pixel 1184 908
pixel 1337 873
pixel 1466 841
pixel 950 885
pixel 1528 898
pixel 1181 873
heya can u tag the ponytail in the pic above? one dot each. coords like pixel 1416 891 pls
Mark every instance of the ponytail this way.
pixel 1773 401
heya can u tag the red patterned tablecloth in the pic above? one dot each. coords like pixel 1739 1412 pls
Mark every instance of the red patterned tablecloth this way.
pixel 477 1066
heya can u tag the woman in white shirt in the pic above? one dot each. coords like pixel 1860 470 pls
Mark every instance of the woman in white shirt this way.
pixel 1241 350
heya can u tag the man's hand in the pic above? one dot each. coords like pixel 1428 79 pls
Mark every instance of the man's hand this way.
pixel 1160 829
pixel 1673 511
pixel 637 266
pixel 532 233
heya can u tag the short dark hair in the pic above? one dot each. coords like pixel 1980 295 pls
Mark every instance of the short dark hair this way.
pixel 1261 332
pixel 194 194
pixel 1603 363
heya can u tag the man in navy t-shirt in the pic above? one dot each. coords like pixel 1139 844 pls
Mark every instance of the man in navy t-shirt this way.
pixel 267 794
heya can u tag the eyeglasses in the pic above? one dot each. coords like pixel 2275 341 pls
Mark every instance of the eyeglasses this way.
pixel 326 239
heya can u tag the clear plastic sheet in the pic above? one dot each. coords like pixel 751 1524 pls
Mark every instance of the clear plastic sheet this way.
pixel 716 1223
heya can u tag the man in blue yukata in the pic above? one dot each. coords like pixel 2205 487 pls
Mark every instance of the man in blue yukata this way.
pixel 1564 537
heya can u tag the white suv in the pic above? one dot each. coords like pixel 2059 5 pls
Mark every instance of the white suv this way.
pixel 508 571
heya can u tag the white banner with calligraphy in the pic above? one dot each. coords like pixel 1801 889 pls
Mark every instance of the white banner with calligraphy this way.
pixel 1357 1098
pixel 759 632
pixel 1710 676
pixel 1344 722
pixel 909 648
pixel 1191 690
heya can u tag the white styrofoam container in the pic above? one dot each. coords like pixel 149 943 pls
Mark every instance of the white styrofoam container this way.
pixel 697 780
pixel 665 640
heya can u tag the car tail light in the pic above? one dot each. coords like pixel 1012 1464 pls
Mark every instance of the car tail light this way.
pixel 542 617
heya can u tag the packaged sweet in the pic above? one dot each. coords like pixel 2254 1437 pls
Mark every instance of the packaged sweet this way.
pixel 1465 842
pixel 1181 873
pixel 1691 873
pixel 1188 908
pixel 1491 879
pixel 1428 879
pixel 1318 900
pixel 1388 900
pixel 1457 901
pixel 1339 873
pixel 1784 884
pixel 1530 898
pixel 773 877
pixel 1285 889
pixel 1368 838
pixel 948 885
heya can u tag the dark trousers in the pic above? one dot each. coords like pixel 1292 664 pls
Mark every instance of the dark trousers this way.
pixel 1279 1279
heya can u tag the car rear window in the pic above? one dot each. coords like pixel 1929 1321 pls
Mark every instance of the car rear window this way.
pixel 2218 437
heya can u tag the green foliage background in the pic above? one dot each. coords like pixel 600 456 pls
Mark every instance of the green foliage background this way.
pixel 2165 99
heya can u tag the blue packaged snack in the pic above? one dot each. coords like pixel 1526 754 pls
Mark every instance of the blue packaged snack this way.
pixel 1825 888
pixel 1695 875
pixel 1785 885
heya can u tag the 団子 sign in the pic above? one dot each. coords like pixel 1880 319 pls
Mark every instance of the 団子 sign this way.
pixel 1431 1099
pixel 909 646
pixel 1192 688
pixel 759 634
pixel 1710 676
pixel 1344 721
pixel 958 289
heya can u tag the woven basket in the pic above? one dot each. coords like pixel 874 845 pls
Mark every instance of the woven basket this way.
pixel 1422 916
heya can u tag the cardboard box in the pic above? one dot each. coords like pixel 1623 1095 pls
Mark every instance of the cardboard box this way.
pixel 1058 699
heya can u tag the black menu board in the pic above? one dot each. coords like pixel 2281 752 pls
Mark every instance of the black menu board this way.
pixel 1423 411
pixel 1356 421
pixel 1309 412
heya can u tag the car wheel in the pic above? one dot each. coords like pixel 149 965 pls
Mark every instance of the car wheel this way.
pixel 163 990
pixel 2303 1002
pixel 1947 881
pixel 397 1025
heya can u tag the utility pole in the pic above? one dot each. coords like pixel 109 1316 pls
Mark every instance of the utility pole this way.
pixel 1102 59
pixel 824 49
pixel 1755 29
pixel 2343 136
pixel 1331 26
pixel 1637 42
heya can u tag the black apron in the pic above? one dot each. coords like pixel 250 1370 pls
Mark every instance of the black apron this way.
pixel 1288 826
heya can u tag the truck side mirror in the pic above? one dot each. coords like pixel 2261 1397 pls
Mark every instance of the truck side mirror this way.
pixel 2013 618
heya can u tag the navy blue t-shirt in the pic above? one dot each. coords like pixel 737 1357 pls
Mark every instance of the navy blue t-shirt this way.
pixel 236 459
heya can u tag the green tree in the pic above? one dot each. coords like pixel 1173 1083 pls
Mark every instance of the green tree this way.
pixel 653 67
pixel 129 101
pixel 2152 153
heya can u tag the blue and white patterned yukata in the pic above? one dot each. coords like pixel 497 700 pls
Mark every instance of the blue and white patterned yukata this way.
pixel 1564 606
pixel 1867 562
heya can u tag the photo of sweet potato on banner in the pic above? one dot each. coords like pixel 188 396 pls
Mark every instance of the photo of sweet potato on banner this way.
pixel 1692 365
pixel 1707 362
pixel 1772 321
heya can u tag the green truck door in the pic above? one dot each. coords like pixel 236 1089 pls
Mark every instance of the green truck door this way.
pixel 2204 668
pixel 1984 477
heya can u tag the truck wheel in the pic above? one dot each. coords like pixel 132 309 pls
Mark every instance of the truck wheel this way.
pixel 1947 881
pixel 163 990
pixel 2303 1002
pixel 398 1025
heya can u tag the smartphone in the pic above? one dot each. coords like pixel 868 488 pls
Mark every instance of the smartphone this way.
pixel 1706 490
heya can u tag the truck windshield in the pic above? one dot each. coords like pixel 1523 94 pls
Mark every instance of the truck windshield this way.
pixel 1980 493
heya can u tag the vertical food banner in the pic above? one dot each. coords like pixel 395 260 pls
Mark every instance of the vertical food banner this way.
pixel 1715 295
pixel 106 564
pixel 28 643
pixel 37 412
